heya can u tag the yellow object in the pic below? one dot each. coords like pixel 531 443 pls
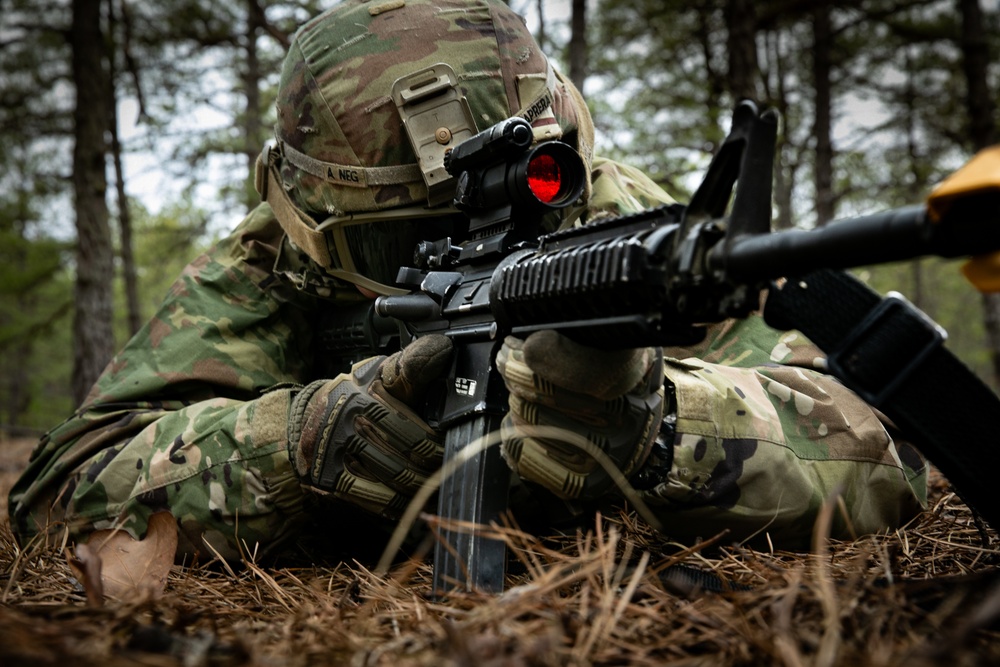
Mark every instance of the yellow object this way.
pixel 980 173
pixel 983 272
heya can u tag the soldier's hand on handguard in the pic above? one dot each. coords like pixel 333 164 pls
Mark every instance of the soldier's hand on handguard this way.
pixel 613 399
pixel 357 437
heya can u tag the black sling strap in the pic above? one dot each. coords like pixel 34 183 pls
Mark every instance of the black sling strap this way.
pixel 892 355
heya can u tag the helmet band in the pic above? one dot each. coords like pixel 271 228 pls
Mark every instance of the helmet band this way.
pixel 349 174
pixel 319 242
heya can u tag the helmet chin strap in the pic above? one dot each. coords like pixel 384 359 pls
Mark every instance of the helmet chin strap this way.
pixel 302 229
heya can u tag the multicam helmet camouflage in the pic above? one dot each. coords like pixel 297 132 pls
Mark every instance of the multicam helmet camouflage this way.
pixel 367 81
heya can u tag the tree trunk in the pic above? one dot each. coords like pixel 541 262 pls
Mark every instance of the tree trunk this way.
pixel 252 120
pixel 540 35
pixel 715 81
pixel 975 65
pixel 18 388
pixel 821 68
pixel 741 43
pixel 578 44
pixel 918 182
pixel 785 164
pixel 93 340
pixel 982 130
pixel 129 277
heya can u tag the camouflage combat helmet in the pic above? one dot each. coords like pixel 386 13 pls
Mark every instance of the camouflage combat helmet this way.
pixel 352 104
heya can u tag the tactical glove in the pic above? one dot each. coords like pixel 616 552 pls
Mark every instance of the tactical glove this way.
pixel 357 437
pixel 614 399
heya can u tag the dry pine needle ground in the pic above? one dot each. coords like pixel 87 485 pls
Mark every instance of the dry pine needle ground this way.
pixel 925 595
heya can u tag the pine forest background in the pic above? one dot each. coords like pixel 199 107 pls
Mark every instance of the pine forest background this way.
pixel 128 131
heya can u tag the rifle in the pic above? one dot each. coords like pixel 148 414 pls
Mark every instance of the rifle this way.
pixel 655 278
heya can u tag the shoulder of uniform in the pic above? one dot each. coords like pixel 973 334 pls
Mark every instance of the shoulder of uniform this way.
pixel 620 189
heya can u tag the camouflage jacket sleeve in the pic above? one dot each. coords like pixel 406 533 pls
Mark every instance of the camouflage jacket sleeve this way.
pixel 190 416
pixel 760 437
pixel 763 438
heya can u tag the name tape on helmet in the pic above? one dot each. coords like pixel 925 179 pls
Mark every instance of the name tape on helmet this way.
pixel 537 95
pixel 351 175
pixel 538 107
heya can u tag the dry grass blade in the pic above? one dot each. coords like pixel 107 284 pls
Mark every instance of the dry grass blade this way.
pixel 830 642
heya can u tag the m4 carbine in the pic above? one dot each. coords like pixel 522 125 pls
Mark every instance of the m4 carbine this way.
pixel 654 278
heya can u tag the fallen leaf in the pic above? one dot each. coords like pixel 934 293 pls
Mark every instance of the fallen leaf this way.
pixel 136 567
pixel 86 565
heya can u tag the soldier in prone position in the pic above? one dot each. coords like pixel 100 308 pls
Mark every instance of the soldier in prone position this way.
pixel 223 411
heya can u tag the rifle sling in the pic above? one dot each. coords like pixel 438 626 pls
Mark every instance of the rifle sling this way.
pixel 892 355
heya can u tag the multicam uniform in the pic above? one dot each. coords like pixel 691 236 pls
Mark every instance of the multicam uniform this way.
pixel 192 417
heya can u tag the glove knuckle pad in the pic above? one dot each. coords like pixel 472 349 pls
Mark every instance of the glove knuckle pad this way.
pixel 349 437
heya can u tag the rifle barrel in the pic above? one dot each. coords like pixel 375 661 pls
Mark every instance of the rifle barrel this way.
pixel 969 227
pixel 889 236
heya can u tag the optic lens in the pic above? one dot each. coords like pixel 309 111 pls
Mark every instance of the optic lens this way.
pixel 544 177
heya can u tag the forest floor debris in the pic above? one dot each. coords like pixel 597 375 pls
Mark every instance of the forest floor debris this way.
pixel 611 595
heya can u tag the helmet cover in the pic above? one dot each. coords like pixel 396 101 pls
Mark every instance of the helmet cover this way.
pixel 343 145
